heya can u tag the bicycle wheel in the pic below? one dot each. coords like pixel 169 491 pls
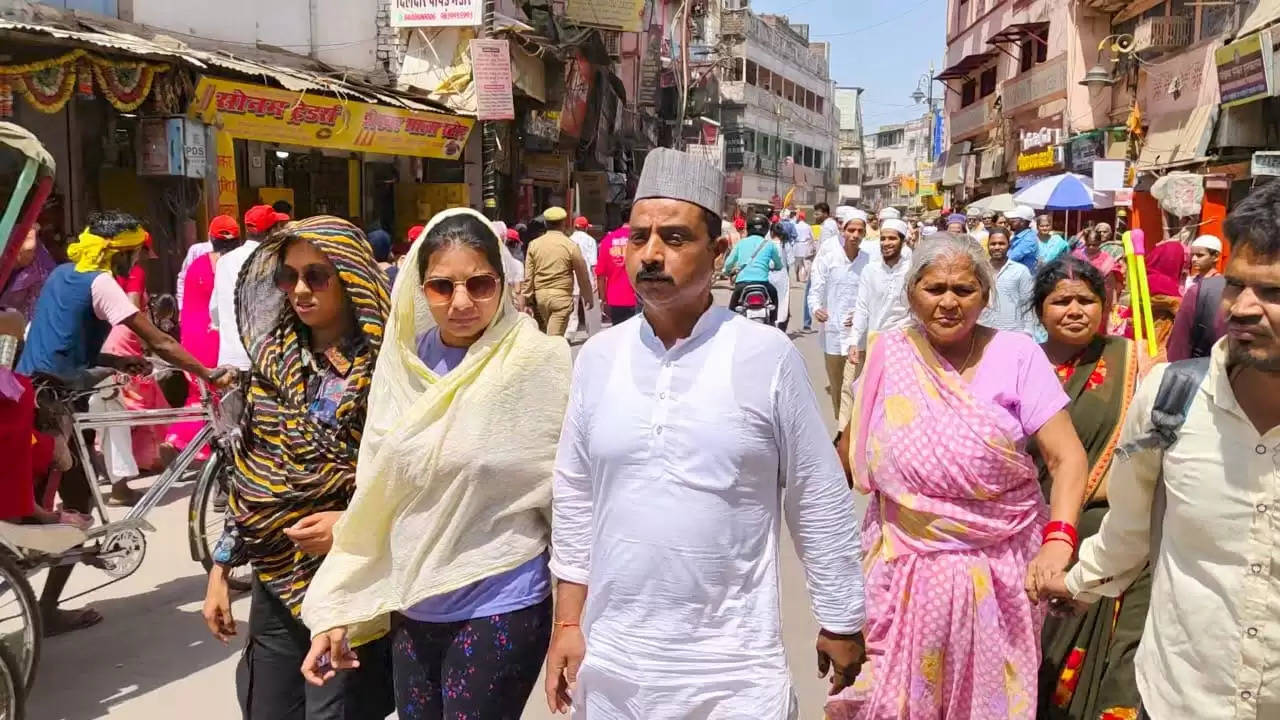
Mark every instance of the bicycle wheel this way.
pixel 13 696
pixel 205 519
pixel 21 626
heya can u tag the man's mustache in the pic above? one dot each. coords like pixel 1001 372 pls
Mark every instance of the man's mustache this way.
pixel 653 275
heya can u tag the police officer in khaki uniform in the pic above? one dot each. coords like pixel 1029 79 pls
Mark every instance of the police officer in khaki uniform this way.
pixel 550 266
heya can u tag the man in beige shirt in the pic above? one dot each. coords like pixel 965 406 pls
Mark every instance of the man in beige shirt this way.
pixel 1211 646
pixel 552 262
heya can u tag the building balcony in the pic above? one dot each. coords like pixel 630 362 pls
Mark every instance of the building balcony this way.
pixel 744 25
pixel 974 119
pixel 1044 82
pixel 1155 35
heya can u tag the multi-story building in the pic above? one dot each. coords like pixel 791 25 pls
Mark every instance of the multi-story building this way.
pixel 852 153
pixel 894 158
pixel 1039 87
pixel 777 110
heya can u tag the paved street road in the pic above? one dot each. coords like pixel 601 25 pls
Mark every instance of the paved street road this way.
pixel 153 658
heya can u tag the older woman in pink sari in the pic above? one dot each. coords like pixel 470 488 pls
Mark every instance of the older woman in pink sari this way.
pixel 957 538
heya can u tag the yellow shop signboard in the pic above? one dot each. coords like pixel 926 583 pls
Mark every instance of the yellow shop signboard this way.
pixel 266 114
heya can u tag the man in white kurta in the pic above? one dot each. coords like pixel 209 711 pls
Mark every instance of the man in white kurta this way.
pixel 833 293
pixel 590 250
pixel 679 457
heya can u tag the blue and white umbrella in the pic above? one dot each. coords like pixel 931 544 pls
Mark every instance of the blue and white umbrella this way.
pixel 1067 191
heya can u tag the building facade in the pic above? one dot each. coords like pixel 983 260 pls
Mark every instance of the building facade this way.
pixel 895 158
pixel 851 166
pixel 1177 90
pixel 777 110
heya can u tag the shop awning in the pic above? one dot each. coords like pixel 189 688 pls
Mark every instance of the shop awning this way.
pixel 290 70
pixel 1262 15
pixel 966 65
pixel 1178 138
pixel 1017 32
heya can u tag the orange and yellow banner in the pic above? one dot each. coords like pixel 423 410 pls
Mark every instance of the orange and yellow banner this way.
pixel 266 114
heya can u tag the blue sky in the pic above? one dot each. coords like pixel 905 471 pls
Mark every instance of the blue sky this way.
pixel 882 46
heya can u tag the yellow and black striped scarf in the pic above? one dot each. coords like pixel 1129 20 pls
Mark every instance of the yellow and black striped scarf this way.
pixel 290 465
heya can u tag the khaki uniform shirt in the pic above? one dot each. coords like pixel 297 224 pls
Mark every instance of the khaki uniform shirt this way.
pixel 548 266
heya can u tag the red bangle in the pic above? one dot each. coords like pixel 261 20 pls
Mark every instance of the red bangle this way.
pixel 1066 528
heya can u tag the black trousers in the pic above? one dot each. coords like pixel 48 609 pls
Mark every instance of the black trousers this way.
pixel 269 678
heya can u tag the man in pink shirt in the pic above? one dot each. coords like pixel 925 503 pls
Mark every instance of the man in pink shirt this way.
pixel 615 289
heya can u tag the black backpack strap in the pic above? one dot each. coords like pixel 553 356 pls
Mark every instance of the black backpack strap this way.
pixel 1178 388
pixel 1204 329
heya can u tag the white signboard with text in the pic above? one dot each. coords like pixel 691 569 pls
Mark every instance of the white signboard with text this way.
pixel 436 13
pixel 491 72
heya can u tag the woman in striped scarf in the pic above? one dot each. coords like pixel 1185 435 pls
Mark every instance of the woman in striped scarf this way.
pixel 311 305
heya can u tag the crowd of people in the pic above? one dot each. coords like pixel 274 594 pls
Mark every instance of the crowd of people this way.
pixel 1057 525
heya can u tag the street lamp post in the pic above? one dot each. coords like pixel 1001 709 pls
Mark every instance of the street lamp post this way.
pixel 926 95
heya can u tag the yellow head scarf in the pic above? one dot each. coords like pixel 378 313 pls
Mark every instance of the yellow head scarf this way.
pixel 93 253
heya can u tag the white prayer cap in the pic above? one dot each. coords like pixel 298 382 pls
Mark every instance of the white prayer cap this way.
pixel 1208 242
pixel 928 230
pixel 896 225
pixel 1022 212
pixel 844 213
pixel 890 214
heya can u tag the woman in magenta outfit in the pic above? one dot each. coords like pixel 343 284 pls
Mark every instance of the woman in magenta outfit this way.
pixel 198 335
pixel 957 538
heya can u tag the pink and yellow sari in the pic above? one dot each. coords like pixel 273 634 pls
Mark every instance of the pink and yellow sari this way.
pixel 954 518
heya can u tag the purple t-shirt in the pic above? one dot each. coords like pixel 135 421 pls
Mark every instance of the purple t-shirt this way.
pixel 516 589
pixel 1015 374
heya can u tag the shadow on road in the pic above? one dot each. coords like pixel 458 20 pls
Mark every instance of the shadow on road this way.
pixel 145 642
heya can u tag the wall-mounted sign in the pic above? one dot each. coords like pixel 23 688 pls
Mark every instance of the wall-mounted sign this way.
pixel 436 13
pixel 1040 145
pixel 491 72
pixel 546 168
pixel 578 79
pixel 1245 69
pixel 1266 162
pixel 624 15
pixel 171 146
pixel 1084 149
pixel 273 115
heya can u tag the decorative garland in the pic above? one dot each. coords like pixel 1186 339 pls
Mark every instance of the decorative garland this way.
pixel 49 84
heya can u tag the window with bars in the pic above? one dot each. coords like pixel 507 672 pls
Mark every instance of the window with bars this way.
pixel 968 92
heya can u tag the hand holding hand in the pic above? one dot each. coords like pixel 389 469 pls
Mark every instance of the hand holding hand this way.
pixel 842 656
pixel 1051 561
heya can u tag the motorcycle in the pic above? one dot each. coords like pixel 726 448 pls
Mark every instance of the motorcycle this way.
pixel 755 304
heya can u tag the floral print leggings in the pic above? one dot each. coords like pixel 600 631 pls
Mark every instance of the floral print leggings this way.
pixel 478 669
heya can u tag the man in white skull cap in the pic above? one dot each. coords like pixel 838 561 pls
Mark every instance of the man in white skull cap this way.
pixel 834 290
pixel 690 432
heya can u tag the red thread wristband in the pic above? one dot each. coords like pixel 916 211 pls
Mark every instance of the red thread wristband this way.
pixel 1058 526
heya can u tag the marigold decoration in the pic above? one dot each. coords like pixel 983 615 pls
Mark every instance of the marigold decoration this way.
pixel 84 78
pixel 49 88
pixel 125 84
pixel 49 84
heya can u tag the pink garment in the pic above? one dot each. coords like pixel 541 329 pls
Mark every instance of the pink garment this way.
pixel 139 393
pixel 198 337
pixel 1170 259
pixel 611 264
pixel 954 519
pixel 1105 264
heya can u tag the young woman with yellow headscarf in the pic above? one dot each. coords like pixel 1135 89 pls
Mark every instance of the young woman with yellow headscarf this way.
pixel 445 542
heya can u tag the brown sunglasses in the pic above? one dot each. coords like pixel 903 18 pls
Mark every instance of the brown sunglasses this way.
pixel 316 276
pixel 439 290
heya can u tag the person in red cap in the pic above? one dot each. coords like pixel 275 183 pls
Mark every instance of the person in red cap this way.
pixel 590 252
pixel 260 220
